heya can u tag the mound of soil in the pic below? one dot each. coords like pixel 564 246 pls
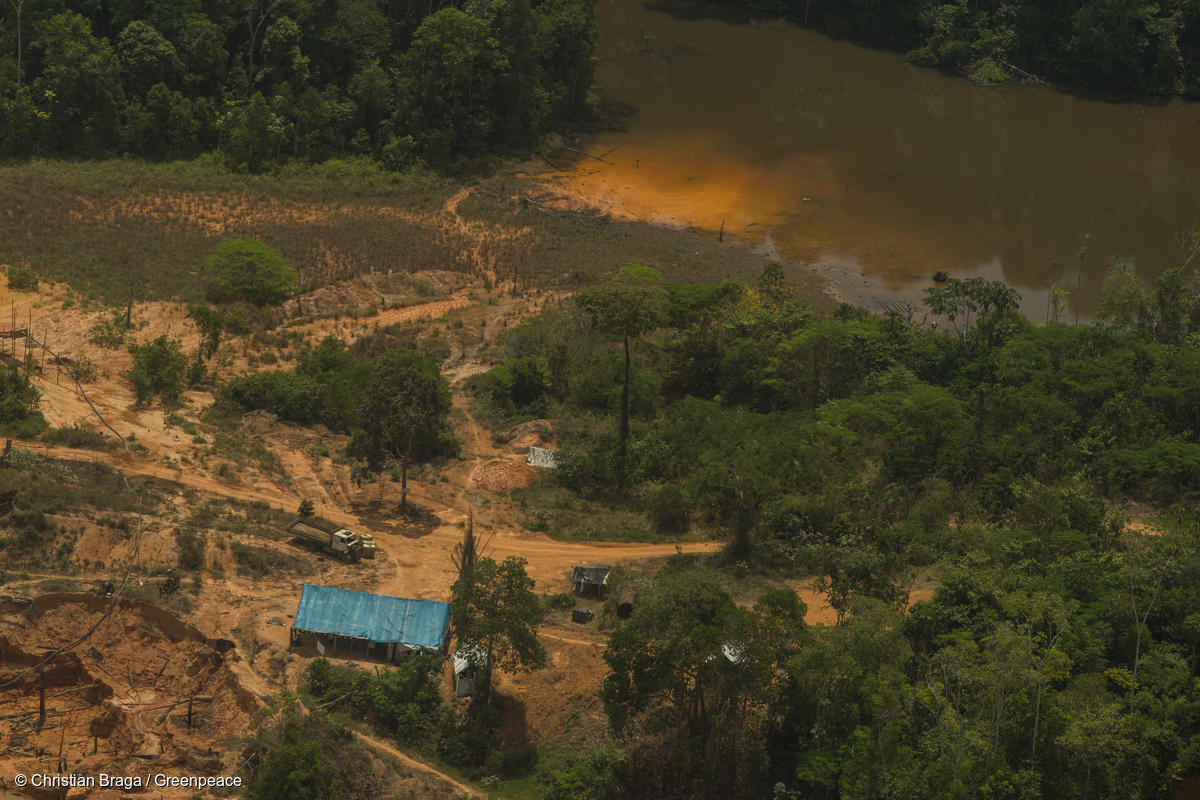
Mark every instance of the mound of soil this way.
pixel 503 475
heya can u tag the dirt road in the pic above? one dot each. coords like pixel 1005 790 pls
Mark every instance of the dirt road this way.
pixel 549 560
pixel 419 565
pixel 420 766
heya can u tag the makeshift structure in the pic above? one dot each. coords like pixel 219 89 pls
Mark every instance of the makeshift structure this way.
pixel 370 622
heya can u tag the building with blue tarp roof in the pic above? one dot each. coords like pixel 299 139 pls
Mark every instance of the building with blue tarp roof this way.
pixel 369 620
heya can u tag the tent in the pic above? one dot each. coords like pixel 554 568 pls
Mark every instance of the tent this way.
pixel 468 660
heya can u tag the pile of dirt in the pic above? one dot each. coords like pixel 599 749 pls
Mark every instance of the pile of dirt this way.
pixel 145 693
pixel 503 475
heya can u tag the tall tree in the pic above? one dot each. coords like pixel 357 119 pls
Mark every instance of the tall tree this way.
pixel 81 84
pixel 449 81
pixel 625 307
pixel 685 648
pixel 18 7
pixel 403 414
pixel 496 614
pixel 257 13
pixel 146 58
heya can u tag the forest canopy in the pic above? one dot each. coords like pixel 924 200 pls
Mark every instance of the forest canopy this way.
pixel 1139 46
pixel 261 82
pixel 1016 467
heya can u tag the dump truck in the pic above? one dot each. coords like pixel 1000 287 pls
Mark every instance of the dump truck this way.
pixel 342 542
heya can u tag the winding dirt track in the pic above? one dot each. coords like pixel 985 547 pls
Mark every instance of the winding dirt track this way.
pixel 548 559
pixel 416 565
pixel 421 766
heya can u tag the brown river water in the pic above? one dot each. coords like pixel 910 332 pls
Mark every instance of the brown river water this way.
pixel 879 173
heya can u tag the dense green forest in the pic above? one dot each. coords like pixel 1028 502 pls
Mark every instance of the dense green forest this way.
pixel 1060 653
pixel 260 81
pixel 1126 46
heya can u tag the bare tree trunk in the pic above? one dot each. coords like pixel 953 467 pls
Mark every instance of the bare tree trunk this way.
pixel 624 430
pixel 1037 716
pixel 253 28
pixel 404 472
pixel 19 6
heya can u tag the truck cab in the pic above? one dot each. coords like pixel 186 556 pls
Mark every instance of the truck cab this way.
pixel 346 544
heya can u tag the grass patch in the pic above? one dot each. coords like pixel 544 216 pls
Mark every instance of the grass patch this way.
pixel 46 489
pixel 259 562
pixel 103 227
pixel 563 515
pixel 242 452
pixel 191 550
pixel 78 437
pixel 571 249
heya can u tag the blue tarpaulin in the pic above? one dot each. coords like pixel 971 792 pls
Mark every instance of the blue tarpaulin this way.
pixel 374 617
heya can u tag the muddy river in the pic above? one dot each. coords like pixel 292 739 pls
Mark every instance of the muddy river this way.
pixel 878 172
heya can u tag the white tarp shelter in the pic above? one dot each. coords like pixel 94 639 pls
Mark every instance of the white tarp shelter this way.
pixel 541 457
pixel 469 660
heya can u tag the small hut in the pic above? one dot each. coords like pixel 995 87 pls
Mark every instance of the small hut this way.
pixel 469 660
pixel 625 601
pixel 590 581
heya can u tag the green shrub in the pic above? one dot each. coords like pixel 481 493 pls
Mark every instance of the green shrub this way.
pixel 289 395
pixel 84 369
pixel 22 278
pixel 586 776
pixel 558 602
pixel 110 333
pixel 18 405
pixel 239 319
pixel 670 509
pixel 250 560
pixel 159 368
pixel 191 550
pixel 248 270
pixel 405 698
pixel 76 436
pixel 468 743
pixel 518 386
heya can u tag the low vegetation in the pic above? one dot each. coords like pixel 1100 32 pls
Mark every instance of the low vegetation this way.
pixel 159 370
pixel 247 270
pixel 395 405
pixel 296 754
pixel 76 436
pixel 19 401
pixel 43 490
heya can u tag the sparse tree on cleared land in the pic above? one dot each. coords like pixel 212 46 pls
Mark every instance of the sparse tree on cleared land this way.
pixel 496 610
pixel 158 369
pixel 245 269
